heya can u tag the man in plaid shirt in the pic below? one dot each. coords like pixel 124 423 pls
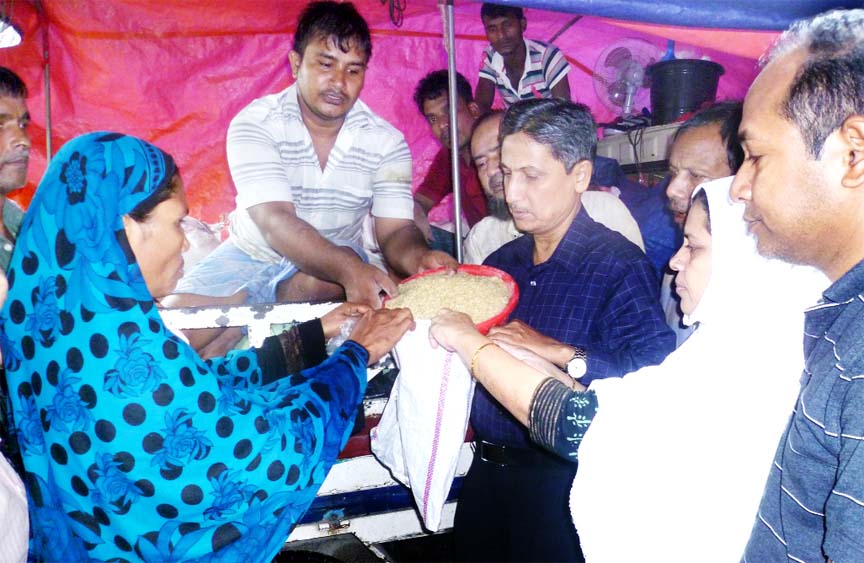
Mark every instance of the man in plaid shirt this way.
pixel 589 303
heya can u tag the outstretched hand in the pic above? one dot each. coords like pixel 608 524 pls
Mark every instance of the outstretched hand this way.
pixel 332 321
pixel 365 285
pixel 432 259
pixel 379 330
pixel 450 328
pixel 517 333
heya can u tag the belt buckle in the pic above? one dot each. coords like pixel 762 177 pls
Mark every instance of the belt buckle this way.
pixel 493 453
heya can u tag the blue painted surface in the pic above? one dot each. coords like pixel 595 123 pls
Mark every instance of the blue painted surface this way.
pixel 728 14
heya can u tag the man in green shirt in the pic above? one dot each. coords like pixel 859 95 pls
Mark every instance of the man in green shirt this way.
pixel 14 157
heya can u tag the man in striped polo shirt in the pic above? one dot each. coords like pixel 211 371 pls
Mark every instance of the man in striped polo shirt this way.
pixel 803 185
pixel 519 68
pixel 310 164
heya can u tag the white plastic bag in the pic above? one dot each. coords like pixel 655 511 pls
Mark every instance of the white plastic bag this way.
pixel 423 426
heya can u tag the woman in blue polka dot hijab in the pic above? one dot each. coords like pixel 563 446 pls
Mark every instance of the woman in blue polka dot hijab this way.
pixel 135 449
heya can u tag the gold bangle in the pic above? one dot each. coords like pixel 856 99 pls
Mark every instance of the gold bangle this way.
pixel 473 364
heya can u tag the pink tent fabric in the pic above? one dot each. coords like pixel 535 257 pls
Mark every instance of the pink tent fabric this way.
pixel 176 72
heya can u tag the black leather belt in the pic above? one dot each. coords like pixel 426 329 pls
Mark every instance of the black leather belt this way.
pixel 508 455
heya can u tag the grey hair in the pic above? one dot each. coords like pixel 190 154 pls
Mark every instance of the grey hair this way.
pixel 829 86
pixel 564 127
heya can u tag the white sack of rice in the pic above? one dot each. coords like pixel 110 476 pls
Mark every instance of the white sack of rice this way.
pixel 480 297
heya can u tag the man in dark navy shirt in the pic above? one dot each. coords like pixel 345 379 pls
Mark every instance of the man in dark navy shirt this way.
pixel 588 303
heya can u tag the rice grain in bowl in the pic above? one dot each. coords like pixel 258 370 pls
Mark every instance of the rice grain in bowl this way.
pixel 486 294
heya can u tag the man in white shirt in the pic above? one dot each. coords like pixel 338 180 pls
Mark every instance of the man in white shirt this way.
pixel 498 228
pixel 310 164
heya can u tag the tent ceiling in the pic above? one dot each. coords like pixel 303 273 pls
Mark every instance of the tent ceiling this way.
pixel 728 14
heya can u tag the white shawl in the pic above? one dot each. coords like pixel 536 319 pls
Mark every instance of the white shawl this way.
pixel 673 466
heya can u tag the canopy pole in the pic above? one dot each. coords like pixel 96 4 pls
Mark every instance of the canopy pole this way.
pixel 564 28
pixel 48 150
pixel 454 134
pixel 47 74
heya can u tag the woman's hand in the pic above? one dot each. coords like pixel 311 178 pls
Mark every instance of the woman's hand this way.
pixel 450 328
pixel 379 330
pixel 332 321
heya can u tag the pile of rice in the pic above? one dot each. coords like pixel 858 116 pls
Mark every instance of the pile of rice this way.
pixel 480 297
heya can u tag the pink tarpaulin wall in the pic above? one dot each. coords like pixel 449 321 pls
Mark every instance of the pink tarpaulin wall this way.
pixel 176 72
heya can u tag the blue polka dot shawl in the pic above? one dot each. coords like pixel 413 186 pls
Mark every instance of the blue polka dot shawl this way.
pixel 134 448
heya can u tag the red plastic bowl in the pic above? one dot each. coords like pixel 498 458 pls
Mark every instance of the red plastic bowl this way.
pixel 488 271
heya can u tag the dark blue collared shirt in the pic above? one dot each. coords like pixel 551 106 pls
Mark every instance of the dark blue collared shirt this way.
pixel 597 291
pixel 649 207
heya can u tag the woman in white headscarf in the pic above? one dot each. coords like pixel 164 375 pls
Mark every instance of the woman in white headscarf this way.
pixel 673 458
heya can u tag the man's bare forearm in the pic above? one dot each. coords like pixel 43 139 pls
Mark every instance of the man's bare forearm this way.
pixel 404 248
pixel 424 202
pixel 303 245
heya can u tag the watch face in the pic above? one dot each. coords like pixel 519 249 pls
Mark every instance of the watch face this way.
pixel 577 367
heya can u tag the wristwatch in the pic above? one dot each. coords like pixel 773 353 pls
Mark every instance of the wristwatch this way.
pixel 577 366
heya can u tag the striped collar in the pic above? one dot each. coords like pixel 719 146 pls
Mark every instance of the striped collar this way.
pixel 848 287
pixel 533 62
